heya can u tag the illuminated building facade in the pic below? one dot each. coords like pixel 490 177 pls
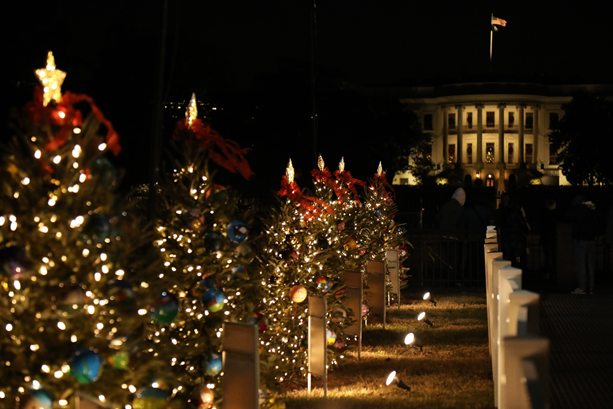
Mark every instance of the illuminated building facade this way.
pixel 492 134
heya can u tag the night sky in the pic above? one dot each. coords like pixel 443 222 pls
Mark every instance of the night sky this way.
pixel 111 50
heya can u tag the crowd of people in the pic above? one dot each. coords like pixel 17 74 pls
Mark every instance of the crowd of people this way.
pixel 464 215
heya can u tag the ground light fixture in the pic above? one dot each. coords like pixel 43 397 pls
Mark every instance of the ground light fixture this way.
pixel 392 379
pixel 422 317
pixel 409 341
pixel 428 297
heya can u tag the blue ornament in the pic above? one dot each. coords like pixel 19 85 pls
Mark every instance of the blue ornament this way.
pixel 378 212
pixel 208 283
pixel 237 232
pixel 120 292
pixel 213 365
pixel 37 398
pixel 85 365
pixel 165 309
pixel 238 272
pixel 150 398
pixel 213 299
pixel 214 241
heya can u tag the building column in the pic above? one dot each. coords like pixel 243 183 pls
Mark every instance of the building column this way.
pixel 535 137
pixel 500 153
pixel 459 145
pixel 479 162
pixel 445 138
pixel 520 137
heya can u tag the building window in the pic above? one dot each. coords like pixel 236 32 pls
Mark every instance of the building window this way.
pixel 553 156
pixel 529 120
pixel 510 153
pixel 490 156
pixel 469 153
pixel 451 121
pixel 489 180
pixel 404 181
pixel 528 153
pixel 554 118
pixel 489 119
pixel 451 157
pixel 428 122
pixel 511 119
pixel 469 120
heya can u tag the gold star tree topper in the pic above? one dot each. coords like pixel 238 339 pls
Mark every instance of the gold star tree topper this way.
pixel 289 172
pixel 341 165
pixel 51 80
pixel 192 111
pixel 320 163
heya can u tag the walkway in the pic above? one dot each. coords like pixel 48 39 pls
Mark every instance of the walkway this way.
pixel 580 329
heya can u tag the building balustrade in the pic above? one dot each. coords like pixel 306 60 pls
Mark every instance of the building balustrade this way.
pixel 488 129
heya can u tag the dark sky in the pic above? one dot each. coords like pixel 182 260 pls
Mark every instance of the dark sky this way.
pixel 111 49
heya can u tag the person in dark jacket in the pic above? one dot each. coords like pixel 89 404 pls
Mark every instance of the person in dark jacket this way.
pixel 449 221
pixel 548 222
pixel 513 230
pixel 448 217
pixel 584 220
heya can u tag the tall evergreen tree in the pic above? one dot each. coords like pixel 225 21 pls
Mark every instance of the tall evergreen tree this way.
pixel 309 245
pixel 75 273
pixel 204 237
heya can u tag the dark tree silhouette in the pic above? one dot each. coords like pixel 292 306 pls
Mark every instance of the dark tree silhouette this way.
pixel 580 139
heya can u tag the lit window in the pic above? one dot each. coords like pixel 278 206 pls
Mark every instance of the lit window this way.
pixel 490 155
pixel 529 120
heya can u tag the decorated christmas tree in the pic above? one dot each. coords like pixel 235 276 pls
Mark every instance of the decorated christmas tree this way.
pixel 204 237
pixel 306 253
pixel 75 279
pixel 379 230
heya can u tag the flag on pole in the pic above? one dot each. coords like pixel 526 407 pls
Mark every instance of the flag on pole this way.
pixel 497 21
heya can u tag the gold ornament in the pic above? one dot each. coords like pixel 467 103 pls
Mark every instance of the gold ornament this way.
pixel 320 163
pixel 298 294
pixel 51 80
pixel 289 172
pixel 379 169
pixel 192 111
pixel 341 165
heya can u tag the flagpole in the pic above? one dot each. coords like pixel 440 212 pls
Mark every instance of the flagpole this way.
pixel 491 39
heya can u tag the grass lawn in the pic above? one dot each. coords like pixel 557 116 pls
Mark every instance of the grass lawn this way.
pixel 452 371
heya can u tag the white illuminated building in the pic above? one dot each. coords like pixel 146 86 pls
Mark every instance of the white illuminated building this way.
pixel 496 132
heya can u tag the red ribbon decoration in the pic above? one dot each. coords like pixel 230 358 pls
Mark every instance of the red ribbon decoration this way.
pixel 231 156
pixel 326 177
pixel 346 178
pixel 382 180
pixel 294 193
pixel 40 114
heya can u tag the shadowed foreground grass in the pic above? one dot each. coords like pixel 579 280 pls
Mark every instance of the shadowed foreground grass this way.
pixel 453 371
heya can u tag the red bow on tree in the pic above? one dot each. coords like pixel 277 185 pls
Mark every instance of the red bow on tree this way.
pixel 64 116
pixel 380 182
pixel 294 193
pixel 346 178
pixel 224 152
pixel 326 177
